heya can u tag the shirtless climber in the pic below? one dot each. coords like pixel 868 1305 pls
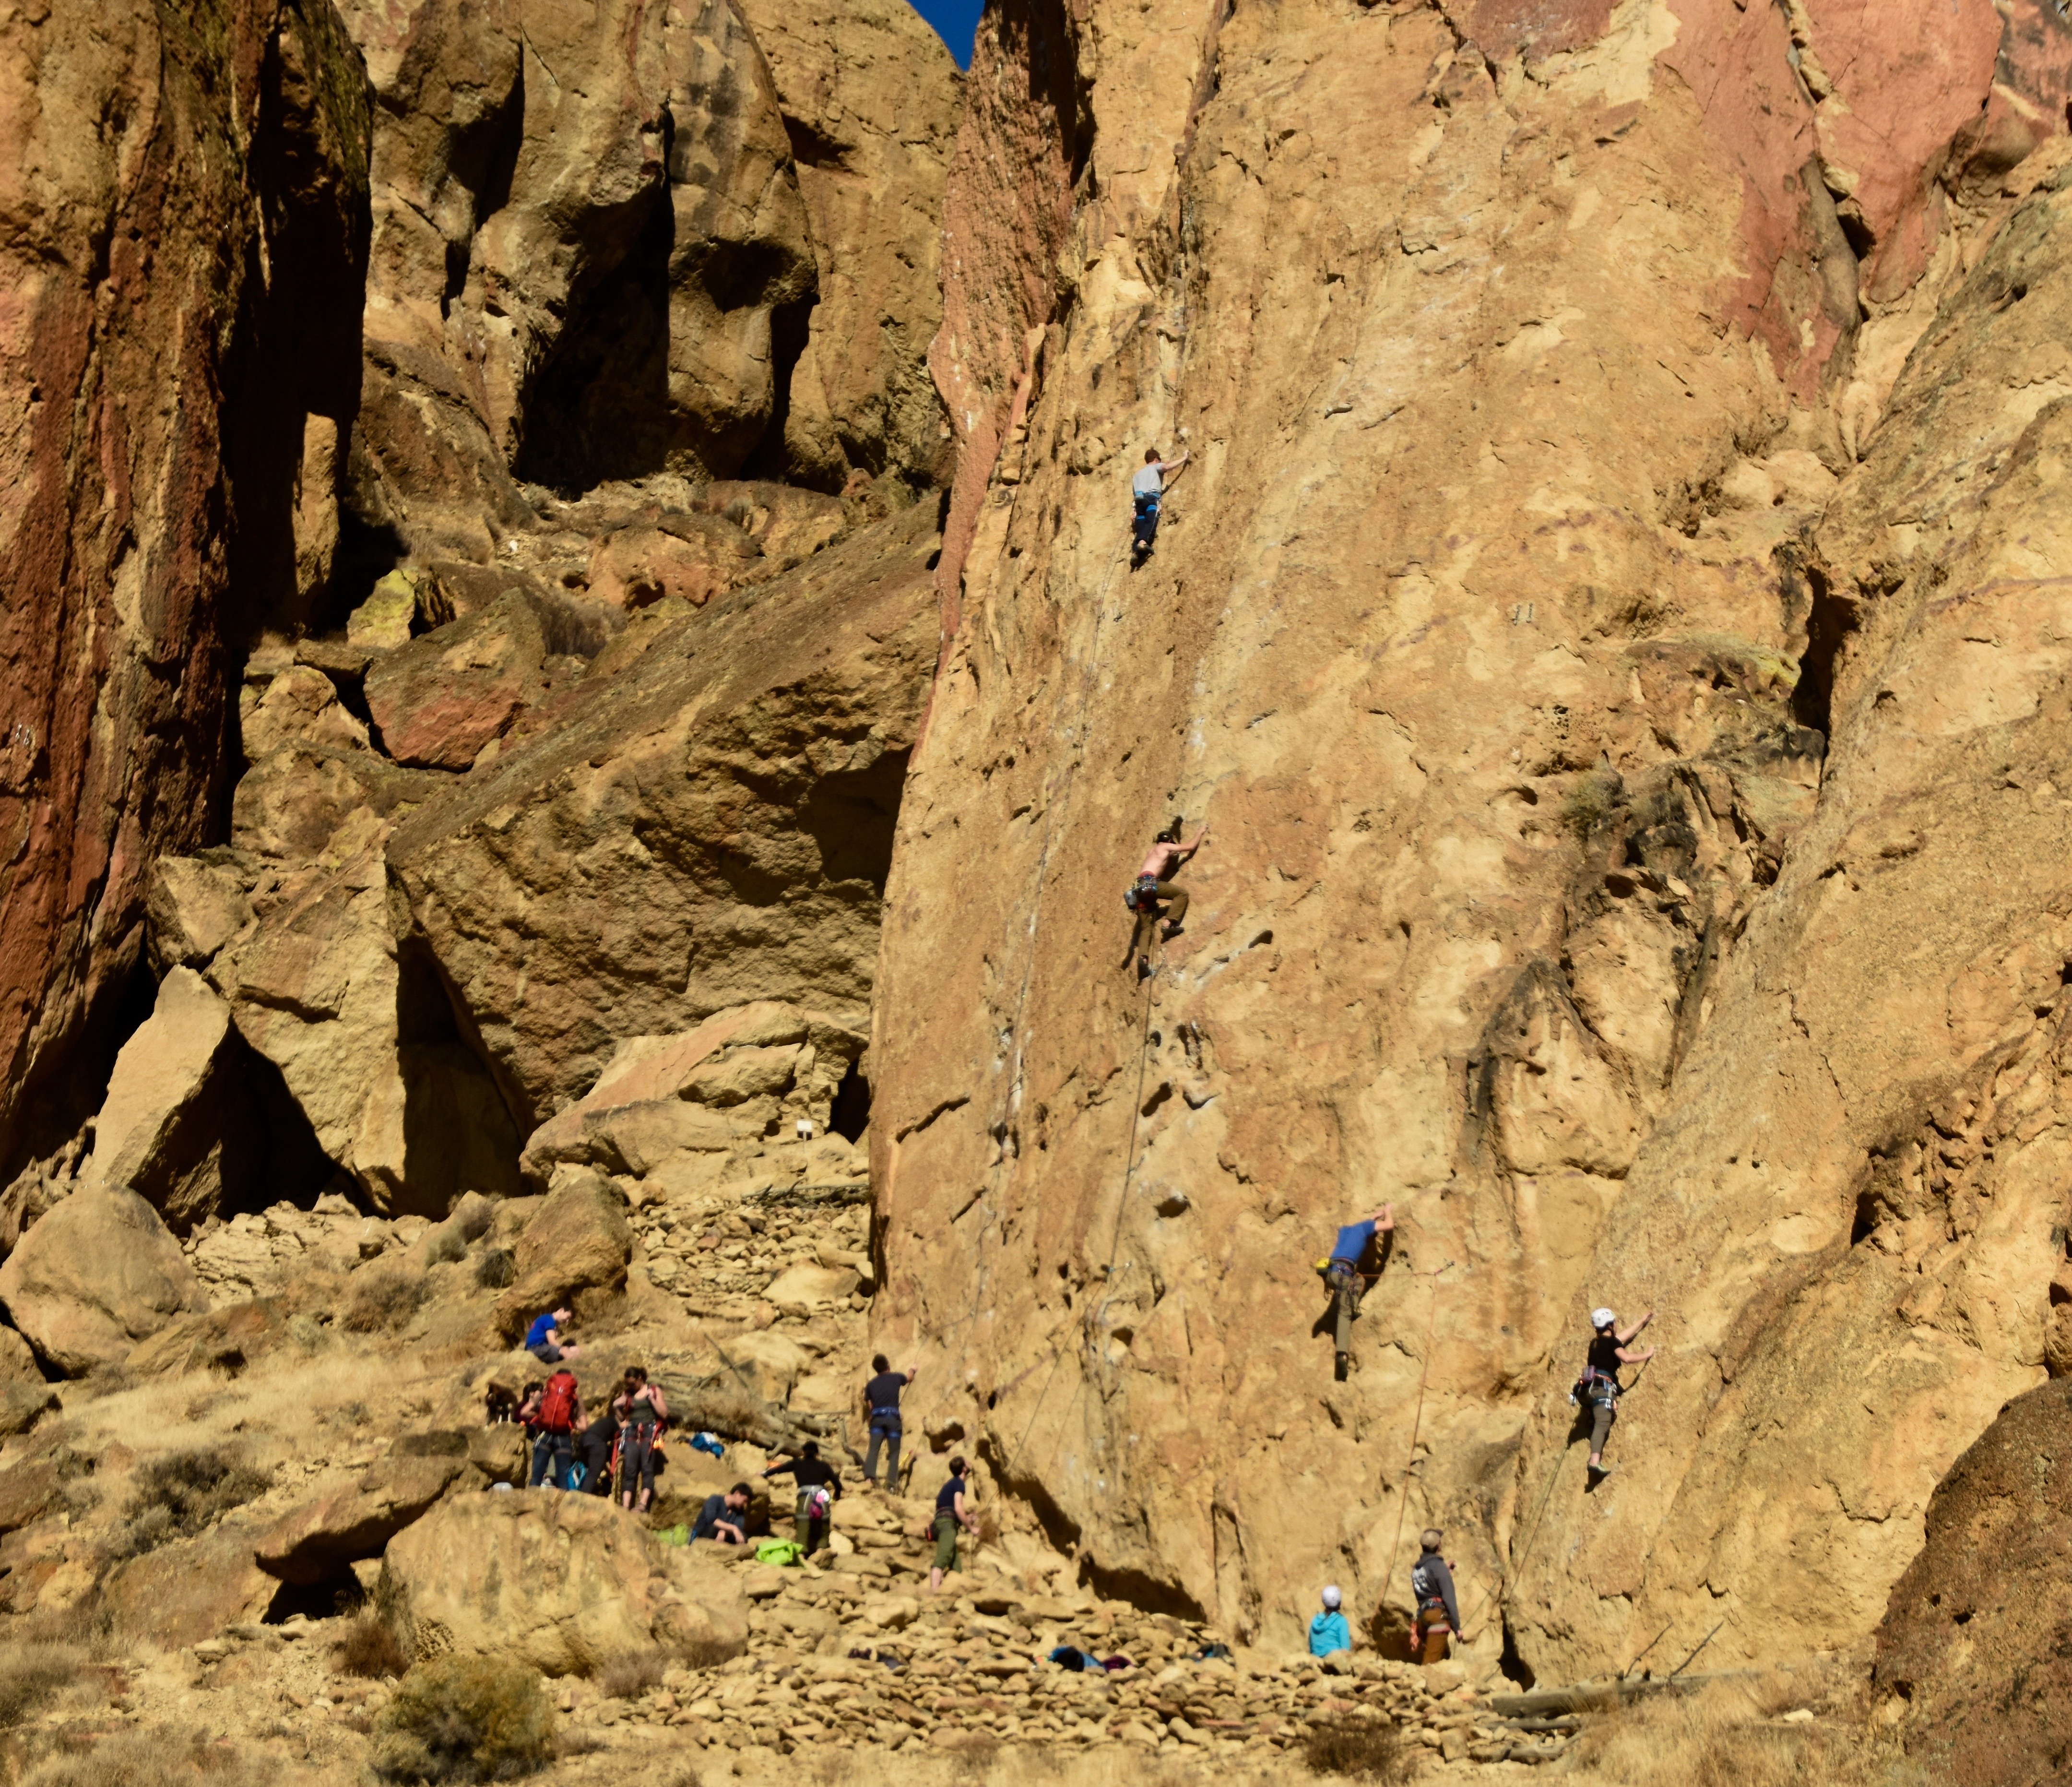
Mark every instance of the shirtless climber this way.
pixel 1346 1275
pixel 1147 489
pixel 1154 883
pixel 1600 1383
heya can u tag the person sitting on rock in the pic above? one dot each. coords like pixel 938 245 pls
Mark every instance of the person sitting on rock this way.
pixel 1438 1612
pixel 1600 1381
pixel 724 1518
pixel 1153 884
pixel 641 1409
pixel 547 1338
pixel 818 1484
pixel 1147 492
pixel 1347 1278
pixel 881 1414
pixel 951 1513
pixel 1329 1633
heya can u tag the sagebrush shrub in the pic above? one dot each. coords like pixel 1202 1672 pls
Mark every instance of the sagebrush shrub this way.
pixel 383 1298
pixel 464 1718
pixel 369 1648
pixel 1366 1752
pixel 177 1495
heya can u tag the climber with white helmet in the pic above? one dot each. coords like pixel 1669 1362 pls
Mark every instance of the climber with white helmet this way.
pixel 1329 1633
pixel 1147 489
pixel 1599 1385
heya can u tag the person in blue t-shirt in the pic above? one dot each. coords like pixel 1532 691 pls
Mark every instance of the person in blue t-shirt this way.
pixel 1345 1274
pixel 547 1340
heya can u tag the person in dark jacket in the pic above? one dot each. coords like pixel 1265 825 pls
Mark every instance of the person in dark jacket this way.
pixel 818 1487
pixel 725 1517
pixel 1608 1343
pixel 1438 1612
pixel 951 1513
pixel 594 1453
pixel 881 1414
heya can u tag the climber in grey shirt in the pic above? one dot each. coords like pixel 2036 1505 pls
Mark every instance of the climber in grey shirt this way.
pixel 1147 489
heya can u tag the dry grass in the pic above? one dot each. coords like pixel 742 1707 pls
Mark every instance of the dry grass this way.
pixel 160 1757
pixel 1729 1736
pixel 33 1675
pixel 369 1648
pixel 464 1718
pixel 497 1269
pixel 179 1494
pixel 628 1677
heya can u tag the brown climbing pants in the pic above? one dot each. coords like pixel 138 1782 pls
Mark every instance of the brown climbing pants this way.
pixel 1600 1426
pixel 1434 1635
pixel 1348 1286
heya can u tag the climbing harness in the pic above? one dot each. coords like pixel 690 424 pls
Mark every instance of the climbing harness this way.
pixel 1143 895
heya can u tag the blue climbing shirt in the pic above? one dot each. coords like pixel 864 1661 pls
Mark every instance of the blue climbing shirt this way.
pixel 1353 1242
pixel 538 1331
pixel 1329 1631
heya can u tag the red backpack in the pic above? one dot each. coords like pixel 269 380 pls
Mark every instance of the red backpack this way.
pixel 558 1404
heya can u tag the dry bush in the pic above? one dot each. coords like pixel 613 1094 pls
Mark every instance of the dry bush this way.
pixel 708 1653
pixel 629 1677
pixel 1362 1752
pixel 497 1269
pixel 177 1495
pixel 382 1299
pixel 369 1648
pixel 1727 1736
pixel 464 1718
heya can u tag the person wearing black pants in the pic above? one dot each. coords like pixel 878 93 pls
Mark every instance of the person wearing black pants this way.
pixel 641 1409
pixel 805 1469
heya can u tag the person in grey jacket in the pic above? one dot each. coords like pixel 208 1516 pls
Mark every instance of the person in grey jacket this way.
pixel 1438 1613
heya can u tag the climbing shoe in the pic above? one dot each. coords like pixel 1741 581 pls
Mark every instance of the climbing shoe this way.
pixel 1599 1472
pixel 1171 930
pixel 1345 1365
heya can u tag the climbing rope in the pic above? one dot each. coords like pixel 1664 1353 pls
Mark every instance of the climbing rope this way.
pixel 1092 1322
pixel 1416 1423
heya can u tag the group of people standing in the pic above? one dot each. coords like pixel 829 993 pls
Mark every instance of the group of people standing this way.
pixel 621 1441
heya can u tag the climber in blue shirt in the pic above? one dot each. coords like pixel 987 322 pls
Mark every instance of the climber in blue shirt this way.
pixel 1345 1273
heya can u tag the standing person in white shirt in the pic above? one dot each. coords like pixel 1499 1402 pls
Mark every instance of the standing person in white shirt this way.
pixel 1148 489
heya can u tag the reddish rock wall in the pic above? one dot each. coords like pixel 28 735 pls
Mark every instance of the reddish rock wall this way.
pixel 185 199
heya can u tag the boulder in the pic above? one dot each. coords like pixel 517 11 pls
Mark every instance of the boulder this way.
pixel 693 558
pixel 196 907
pixel 17 1360
pixel 578 1240
pixel 771 1363
pixel 765 738
pixel 299 706
pixel 661 1095
pixel 220 1340
pixel 23 1404
pixel 322 1537
pixel 438 701
pixel 382 622
pixel 801 1289
pixel 190 1590
pixel 564 1582
pixel 93 1277
pixel 172 1106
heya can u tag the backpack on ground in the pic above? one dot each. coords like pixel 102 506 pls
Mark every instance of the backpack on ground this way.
pixel 558 1404
pixel 785 1553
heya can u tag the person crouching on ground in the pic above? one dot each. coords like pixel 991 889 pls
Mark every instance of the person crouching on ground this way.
pixel 547 1338
pixel 1329 1633
pixel 725 1517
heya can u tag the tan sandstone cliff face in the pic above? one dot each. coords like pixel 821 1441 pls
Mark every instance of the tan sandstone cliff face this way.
pixel 185 198
pixel 1624 713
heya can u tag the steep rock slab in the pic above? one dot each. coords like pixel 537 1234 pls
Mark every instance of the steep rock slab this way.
pixel 586 221
pixel 186 207
pixel 1481 631
pixel 708 826
pixel 320 1539
pixel 870 98
pixel 1971 1652
pixel 564 1582
pixel 1853 1210
pixel 93 1277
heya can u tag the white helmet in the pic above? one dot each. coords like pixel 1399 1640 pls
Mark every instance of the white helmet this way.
pixel 1332 1597
pixel 1602 1318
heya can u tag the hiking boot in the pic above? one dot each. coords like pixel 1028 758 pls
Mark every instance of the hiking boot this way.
pixel 1344 1366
